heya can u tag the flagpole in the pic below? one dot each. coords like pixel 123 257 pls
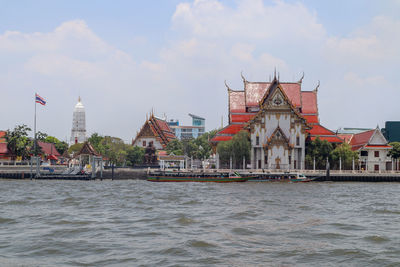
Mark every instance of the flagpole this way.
pixel 34 131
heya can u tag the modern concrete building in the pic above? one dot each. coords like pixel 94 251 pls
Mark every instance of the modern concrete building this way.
pixel 188 132
pixel 392 131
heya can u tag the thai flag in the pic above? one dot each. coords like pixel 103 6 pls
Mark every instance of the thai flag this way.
pixel 40 100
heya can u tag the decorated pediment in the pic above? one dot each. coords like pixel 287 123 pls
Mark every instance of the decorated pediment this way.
pixel 377 138
pixel 278 137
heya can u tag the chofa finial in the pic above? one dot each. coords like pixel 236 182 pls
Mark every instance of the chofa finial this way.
pixel 227 86
pixel 301 79
pixel 316 88
pixel 243 78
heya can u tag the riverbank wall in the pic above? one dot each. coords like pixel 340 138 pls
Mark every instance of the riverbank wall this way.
pixel 24 172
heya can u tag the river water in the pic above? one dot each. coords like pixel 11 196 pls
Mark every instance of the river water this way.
pixel 139 223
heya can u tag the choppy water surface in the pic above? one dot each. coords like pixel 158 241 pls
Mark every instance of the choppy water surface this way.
pixel 131 223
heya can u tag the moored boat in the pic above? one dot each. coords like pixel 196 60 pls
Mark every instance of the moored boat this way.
pixel 280 177
pixel 171 176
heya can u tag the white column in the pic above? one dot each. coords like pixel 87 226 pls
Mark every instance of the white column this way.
pixel 217 157
pixel 314 164
pixel 262 158
pixel 340 164
pixel 244 163
pixel 230 163
pixel 353 165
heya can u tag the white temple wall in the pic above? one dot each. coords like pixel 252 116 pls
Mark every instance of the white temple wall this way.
pixel 272 121
pixel 156 143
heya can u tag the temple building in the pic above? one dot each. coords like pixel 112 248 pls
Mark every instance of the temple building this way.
pixel 4 152
pixel 371 145
pixel 155 132
pixel 280 117
pixel 78 132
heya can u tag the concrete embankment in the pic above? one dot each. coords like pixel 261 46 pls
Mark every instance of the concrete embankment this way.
pixel 24 172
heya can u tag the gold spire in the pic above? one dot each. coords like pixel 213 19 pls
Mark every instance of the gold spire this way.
pixel 79 99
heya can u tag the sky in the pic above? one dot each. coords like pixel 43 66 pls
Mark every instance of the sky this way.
pixel 127 58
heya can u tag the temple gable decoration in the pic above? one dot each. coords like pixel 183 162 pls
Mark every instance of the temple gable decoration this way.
pixel 154 132
pixel 278 137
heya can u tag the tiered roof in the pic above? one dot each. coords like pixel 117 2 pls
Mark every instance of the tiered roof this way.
pixel 159 128
pixel 244 105
pixel 87 149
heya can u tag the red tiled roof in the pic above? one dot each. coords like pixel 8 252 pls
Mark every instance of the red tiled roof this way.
pixel 346 137
pixel 378 146
pixel 231 129
pixel 309 102
pixel 311 119
pixel 221 138
pixel 292 90
pixel 318 129
pixel 160 129
pixel 3 149
pixel 48 148
pixel 236 101
pixel 242 117
pixel 254 92
pixel 323 134
pixel 361 139
pixel 2 136
pixel 330 139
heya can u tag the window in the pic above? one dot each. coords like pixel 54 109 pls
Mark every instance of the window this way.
pixel 151 143
pixel 266 160
pixel 376 166
pixel 290 159
pixel 376 154
pixel 297 141
pixel 257 140
pixel 364 153
pixel 144 143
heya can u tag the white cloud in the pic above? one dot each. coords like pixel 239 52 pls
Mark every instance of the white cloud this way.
pixel 210 42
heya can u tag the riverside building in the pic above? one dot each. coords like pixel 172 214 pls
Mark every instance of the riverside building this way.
pixel 78 132
pixel 155 132
pixel 280 118
pixel 188 132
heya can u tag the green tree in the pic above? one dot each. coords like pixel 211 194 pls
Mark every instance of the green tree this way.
pixel 61 146
pixel 319 150
pixel 18 142
pixel 75 148
pixel 175 147
pixel 41 136
pixel 135 155
pixel 96 141
pixel 395 151
pixel 115 150
pixel 237 148
pixel 344 153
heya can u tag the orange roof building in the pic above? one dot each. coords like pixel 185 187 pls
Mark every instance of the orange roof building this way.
pixel 243 105
pixel 155 131
pixel 372 147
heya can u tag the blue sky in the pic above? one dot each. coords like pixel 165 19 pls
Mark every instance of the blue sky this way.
pixel 126 57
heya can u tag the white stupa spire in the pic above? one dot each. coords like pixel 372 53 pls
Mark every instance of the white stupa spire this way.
pixel 78 132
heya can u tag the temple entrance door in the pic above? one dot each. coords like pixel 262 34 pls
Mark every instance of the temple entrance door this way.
pixel 278 163
pixel 295 164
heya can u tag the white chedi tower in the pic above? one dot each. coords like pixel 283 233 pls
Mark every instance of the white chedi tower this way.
pixel 78 132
